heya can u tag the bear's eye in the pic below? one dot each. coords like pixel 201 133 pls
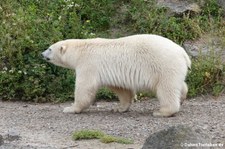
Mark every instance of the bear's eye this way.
pixel 50 49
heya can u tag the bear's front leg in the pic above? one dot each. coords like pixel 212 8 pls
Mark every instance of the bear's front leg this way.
pixel 84 95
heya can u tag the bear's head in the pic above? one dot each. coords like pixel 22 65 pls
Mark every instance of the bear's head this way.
pixel 55 54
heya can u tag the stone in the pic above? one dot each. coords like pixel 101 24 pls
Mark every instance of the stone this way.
pixel 177 137
pixel 205 46
pixel 221 3
pixel 179 7
pixel 12 135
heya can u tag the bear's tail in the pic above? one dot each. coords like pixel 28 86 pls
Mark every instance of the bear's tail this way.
pixel 187 59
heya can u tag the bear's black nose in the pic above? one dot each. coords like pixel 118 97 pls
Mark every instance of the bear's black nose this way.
pixel 46 58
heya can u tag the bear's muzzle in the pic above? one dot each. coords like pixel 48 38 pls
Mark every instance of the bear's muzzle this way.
pixel 44 55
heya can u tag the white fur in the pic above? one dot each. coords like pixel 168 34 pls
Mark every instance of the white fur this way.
pixel 125 65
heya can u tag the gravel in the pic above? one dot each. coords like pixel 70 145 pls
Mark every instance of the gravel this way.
pixel 45 126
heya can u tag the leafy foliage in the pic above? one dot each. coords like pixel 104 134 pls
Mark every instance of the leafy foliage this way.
pixel 146 17
pixel 28 27
pixel 207 75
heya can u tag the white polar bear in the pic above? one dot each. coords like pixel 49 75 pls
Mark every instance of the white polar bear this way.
pixel 125 65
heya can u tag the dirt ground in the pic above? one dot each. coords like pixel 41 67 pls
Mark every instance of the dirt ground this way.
pixel 45 126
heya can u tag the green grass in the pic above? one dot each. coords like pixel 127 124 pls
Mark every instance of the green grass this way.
pixel 96 134
pixel 88 134
pixel 206 76
pixel 110 139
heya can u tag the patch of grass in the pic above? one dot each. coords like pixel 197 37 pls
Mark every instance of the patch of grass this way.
pixel 96 134
pixel 88 134
pixel 110 139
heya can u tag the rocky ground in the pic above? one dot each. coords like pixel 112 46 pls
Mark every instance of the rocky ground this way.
pixel 44 126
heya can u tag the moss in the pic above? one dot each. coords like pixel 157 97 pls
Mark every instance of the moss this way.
pixel 96 134
pixel 110 139
pixel 88 134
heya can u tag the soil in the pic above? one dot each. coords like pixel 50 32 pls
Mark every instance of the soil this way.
pixel 44 126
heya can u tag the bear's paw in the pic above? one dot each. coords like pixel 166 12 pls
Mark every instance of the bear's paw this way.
pixel 162 114
pixel 71 109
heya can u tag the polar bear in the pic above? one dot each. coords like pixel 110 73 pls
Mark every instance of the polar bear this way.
pixel 124 65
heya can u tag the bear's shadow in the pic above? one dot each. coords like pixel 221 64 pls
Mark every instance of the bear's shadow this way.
pixel 111 113
pixel 130 113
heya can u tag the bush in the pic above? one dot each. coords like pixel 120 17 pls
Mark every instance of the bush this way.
pixel 207 75
pixel 34 25
pixel 29 30
pixel 147 17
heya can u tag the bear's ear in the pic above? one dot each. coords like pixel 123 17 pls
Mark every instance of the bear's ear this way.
pixel 63 50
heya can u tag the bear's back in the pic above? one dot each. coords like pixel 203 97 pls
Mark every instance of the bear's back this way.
pixel 137 61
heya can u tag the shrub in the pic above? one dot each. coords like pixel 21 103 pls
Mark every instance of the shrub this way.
pixel 207 75
pixel 29 30
pixel 34 25
pixel 147 17
pixel 106 94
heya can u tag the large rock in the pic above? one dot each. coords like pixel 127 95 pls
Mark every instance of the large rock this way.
pixel 179 7
pixel 222 4
pixel 178 137
pixel 205 46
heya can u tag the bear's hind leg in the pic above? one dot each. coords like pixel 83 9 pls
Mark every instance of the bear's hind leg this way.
pixel 125 97
pixel 183 93
pixel 169 99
